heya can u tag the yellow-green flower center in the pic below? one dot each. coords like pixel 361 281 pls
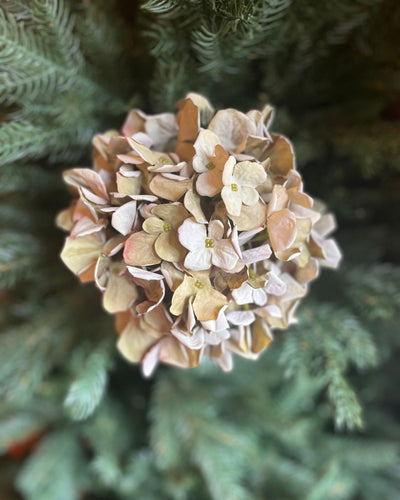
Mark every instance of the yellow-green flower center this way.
pixel 234 187
pixel 252 274
pixel 199 284
pixel 209 243
pixel 246 307
pixel 167 227
pixel 210 166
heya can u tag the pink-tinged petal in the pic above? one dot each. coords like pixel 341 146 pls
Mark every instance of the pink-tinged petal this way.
pixel 170 187
pixel 225 361
pixel 209 183
pixel 172 275
pixel 134 122
pixel 232 127
pixel 205 149
pixel 246 236
pixel 124 217
pixel 282 155
pixel 228 171
pixel 232 200
pixel 150 360
pixel 243 318
pixel 143 151
pixel 282 229
pixel 169 169
pixel 134 342
pixel 101 272
pixel 88 179
pixel 143 274
pixel 192 235
pixel 243 295
pixel 305 213
pixel 251 217
pixel 249 195
pixel 80 253
pixel 224 255
pixel 275 285
pixel 259 297
pixel 90 198
pixel 143 197
pixel 216 229
pixel 139 250
pixel 198 260
pixel 86 226
pixel 257 254
pixel 130 159
pixel 289 254
pixel 234 239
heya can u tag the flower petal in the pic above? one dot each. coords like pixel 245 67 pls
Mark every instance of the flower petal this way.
pixel 282 229
pixel 257 254
pixel 193 205
pixel 216 229
pixel 80 253
pixel 208 303
pixel 168 248
pixel 192 235
pixel 282 155
pixel 249 195
pixel 182 294
pixel 205 149
pixel 251 217
pixel 169 187
pixel 224 255
pixel 198 260
pixel 123 218
pixel 134 341
pixel 139 250
pixel 243 318
pixel 249 173
pixel 120 292
pixel 232 200
pixel 232 127
pixel 153 225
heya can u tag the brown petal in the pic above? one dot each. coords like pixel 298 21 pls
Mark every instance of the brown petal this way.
pixel 208 303
pixel 261 336
pixel 192 203
pixel 139 250
pixel 120 292
pixel 282 155
pixel 188 123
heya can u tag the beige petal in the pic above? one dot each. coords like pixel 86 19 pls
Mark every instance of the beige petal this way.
pixel 249 195
pixel 168 248
pixel 120 292
pixel 282 155
pixel 64 218
pixel 162 129
pixel 208 303
pixel 325 225
pixel 139 250
pixel 224 255
pixel 182 294
pixel 279 199
pixel 174 213
pixel 209 183
pixel 134 342
pixel 153 225
pixel 170 188
pixel 282 229
pixel 192 202
pixel 129 185
pixel 134 122
pixel 251 217
pixel 80 253
pixel 158 321
pixel 114 245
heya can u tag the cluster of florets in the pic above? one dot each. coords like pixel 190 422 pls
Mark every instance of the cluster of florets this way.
pixel 196 229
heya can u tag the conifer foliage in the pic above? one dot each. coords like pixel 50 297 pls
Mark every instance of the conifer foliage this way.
pixel 315 417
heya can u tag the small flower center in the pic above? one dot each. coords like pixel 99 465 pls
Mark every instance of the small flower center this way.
pixel 252 274
pixel 234 187
pixel 210 166
pixel 199 284
pixel 246 307
pixel 209 243
pixel 167 227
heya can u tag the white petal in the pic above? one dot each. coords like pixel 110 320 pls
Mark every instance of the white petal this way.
pixel 192 235
pixel 199 260
pixel 224 255
pixel 243 318
pixel 123 218
pixel 257 254
pixel 137 272
pixel 243 294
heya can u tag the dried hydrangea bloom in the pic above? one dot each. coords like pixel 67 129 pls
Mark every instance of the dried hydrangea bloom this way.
pixel 196 230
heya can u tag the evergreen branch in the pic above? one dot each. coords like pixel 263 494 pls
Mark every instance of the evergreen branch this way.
pixel 23 139
pixel 87 391
pixel 46 478
pixel 19 257
pixel 20 179
pixel 17 426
